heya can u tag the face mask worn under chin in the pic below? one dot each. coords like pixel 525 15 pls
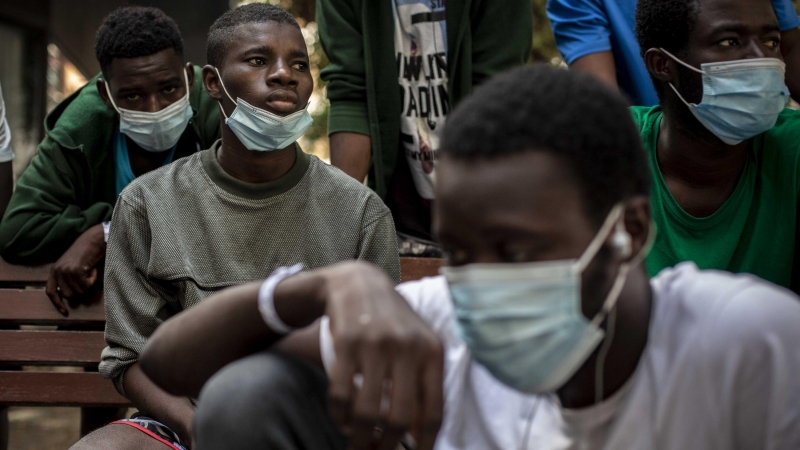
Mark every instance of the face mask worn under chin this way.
pixel 523 322
pixel 741 98
pixel 158 131
pixel 261 130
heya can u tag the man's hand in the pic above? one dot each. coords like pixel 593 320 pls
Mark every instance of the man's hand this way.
pixel 379 337
pixel 76 271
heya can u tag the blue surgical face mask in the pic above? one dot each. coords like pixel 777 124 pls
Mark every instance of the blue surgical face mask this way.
pixel 261 130
pixel 158 131
pixel 523 322
pixel 741 98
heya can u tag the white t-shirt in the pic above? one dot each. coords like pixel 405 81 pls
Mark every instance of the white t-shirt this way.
pixel 420 42
pixel 6 154
pixel 721 370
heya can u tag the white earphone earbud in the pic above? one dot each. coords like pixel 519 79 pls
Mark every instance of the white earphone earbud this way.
pixel 621 241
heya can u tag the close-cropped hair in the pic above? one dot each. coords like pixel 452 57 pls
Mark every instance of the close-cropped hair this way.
pixel 568 114
pixel 665 24
pixel 135 31
pixel 223 29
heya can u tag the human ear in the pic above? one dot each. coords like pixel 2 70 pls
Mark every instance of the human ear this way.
pixel 212 83
pixel 660 66
pixel 104 94
pixel 190 75
pixel 637 221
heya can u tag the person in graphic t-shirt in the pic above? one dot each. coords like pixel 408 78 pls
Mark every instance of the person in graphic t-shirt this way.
pixel 722 147
pixel 394 78
pixel 545 332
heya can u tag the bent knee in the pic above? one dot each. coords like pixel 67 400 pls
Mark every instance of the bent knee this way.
pixel 118 437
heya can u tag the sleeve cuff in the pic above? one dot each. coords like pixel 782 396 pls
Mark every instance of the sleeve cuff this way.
pixel 349 117
pixel 6 154
pixel 587 48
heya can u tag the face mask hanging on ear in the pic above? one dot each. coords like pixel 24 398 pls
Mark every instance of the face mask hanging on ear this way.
pixel 741 98
pixel 158 131
pixel 261 130
pixel 523 322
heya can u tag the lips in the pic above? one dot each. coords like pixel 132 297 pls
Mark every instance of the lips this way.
pixel 282 101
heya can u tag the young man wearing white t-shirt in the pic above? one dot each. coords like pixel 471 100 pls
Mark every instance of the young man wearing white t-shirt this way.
pixel 544 332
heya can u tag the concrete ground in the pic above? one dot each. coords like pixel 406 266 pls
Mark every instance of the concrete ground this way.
pixel 43 428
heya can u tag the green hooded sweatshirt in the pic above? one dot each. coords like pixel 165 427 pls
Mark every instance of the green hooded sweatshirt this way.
pixel 69 186
pixel 484 38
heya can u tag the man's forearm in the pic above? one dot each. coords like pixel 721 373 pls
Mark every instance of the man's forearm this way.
pixel 175 412
pixel 351 152
pixel 600 64
pixel 790 48
pixel 182 366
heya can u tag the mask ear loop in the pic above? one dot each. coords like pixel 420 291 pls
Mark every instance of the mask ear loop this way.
pixel 609 310
pixel 674 58
pixel 111 97
pixel 226 93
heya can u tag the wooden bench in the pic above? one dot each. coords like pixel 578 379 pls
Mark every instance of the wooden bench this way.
pixel 23 302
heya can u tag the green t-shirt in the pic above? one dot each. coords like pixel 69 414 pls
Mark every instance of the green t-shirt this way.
pixel 755 230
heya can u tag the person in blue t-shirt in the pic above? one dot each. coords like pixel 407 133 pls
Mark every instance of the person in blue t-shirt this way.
pixel 598 36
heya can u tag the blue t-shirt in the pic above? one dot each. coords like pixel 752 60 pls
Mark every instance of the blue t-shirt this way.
pixel 582 27
pixel 123 172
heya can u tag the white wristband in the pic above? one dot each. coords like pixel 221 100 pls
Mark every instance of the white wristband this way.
pixel 106 230
pixel 266 298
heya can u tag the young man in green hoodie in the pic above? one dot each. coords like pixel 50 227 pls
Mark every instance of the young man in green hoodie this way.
pixel 143 111
pixel 397 68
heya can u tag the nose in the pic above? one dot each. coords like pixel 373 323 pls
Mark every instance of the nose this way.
pixel 153 104
pixel 281 74
pixel 755 49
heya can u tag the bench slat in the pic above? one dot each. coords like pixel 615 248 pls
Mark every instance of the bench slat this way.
pixel 58 389
pixel 12 273
pixel 32 307
pixel 415 268
pixel 65 348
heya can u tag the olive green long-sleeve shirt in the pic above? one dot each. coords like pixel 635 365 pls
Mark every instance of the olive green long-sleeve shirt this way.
pixel 189 229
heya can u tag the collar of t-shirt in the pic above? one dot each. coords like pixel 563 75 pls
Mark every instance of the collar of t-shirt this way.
pixel 253 191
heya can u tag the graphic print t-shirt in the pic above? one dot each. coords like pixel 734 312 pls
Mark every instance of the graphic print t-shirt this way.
pixel 421 51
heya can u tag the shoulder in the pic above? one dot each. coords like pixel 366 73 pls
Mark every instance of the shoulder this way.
pixel 786 132
pixel 643 115
pixel 430 299
pixel 342 190
pixel 82 119
pixel 162 183
pixel 732 315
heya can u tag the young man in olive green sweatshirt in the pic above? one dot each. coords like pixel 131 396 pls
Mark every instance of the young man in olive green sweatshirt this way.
pixel 397 68
pixel 230 214
pixel 143 111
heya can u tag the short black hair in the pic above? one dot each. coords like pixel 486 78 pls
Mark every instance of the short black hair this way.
pixel 568 114
pixel 222 30
pixel 134 31
pixel 665 24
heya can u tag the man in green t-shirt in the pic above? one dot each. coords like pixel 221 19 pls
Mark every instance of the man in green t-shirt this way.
pixel 724 152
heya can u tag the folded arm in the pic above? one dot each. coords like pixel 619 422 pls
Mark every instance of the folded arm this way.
pixel 375 333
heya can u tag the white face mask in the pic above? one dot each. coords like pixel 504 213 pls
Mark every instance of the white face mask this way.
pixel 261 130
pixel 741 98
pixel 158 131
pixel 524 323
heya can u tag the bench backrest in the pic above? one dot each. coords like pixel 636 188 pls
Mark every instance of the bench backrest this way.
pixel 23 302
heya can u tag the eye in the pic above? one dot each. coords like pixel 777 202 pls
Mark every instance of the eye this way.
pixel 773 43
pixel 170 90
pixel 257 61
pixel 132 97
pixel 729 42
pixel 300 66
